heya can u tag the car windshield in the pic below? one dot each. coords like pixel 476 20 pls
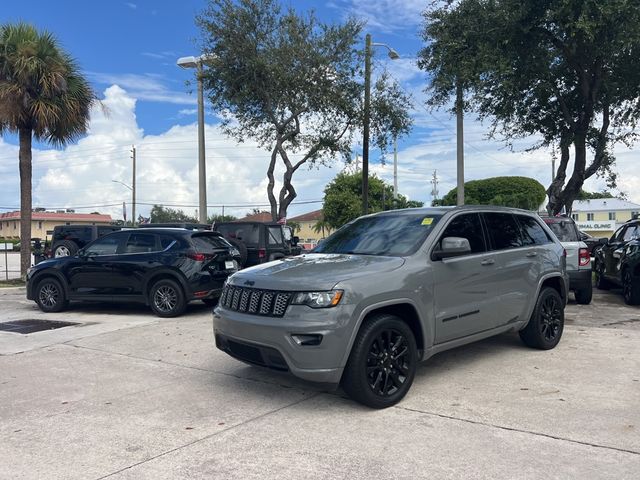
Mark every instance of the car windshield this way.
pixel 564 230
pixel 397 234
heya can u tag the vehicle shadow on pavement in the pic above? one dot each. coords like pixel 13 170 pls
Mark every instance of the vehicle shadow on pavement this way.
pixel 193 309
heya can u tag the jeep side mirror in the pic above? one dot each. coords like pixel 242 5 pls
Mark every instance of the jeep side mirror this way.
pixel 294 240
pixel 451 247
pixel 603 241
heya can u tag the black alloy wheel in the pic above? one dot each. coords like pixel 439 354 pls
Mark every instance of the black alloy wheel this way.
pixel 546 325
pixel 382 363
pixel 388 362
pixel 167 299
pixel 50 295
pixel 630 289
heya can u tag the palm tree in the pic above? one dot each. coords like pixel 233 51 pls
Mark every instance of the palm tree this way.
pixel 42 96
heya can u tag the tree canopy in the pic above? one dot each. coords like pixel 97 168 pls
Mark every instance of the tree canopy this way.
pixel 42 95
pixel 518 192
pixel 564 71
pixel 293 84
pixel 343 199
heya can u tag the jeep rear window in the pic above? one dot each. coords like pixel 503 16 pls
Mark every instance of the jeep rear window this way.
pixel 249 234
pixel 207 242
pixel 391 234
pixel 564 230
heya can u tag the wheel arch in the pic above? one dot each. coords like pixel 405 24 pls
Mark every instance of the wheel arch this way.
pixel 40 276
pixel 156 276
pixel 403 308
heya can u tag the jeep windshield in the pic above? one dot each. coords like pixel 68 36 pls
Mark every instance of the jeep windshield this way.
pixel 564 229
pixel 393 234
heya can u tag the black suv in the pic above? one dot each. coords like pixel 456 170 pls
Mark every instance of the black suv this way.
pixel 164 268
pixel 617 262
pixel 260 242
pixel 68 239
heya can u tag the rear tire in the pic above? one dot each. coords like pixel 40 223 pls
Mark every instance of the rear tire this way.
pixel 50 295
pixel 64 248
pixel 382 363
pixel 584 296
pixel 545 327
pixel 630 288
pixel 166 299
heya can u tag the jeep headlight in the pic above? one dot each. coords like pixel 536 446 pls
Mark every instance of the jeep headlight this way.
pixel 318 299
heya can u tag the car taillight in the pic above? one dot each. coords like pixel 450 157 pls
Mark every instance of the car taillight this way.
pixel 583 257
pixel 262 253
pixel 198 257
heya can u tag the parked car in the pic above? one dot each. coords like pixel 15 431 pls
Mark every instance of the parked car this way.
pixel 68 239
pixel 391 289
pixel 578 257
pixel 260 242
pixel 591 242
pixel 163 268
pixel 617 262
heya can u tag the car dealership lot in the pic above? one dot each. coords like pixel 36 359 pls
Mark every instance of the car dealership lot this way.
pixel 127 395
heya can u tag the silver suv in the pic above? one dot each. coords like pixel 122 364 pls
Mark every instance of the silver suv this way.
pixel 389 290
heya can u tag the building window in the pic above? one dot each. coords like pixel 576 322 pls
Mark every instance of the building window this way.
pixel 575 216
pixel 40 225
pixel 15 225
pixel 589 217
pixel 612 215
pixel 634 215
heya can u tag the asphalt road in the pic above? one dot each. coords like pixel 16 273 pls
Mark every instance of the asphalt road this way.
pixel 125 395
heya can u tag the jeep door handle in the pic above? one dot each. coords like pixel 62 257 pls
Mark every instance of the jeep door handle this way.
pixel 532 254
pixel 488 261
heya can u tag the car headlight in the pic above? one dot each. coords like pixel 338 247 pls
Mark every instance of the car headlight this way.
pixel 318 299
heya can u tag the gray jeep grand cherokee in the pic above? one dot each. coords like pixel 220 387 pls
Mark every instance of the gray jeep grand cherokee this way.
pixel 389 290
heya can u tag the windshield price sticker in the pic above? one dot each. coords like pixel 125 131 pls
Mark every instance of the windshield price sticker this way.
pixel 427 221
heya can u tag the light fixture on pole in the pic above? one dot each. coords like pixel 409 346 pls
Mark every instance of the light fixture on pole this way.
pixel 196 62
pixel 393 55
pixel 133 196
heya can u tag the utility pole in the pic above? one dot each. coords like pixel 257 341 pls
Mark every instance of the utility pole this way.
pixel 434 190
pixel 395 168
pixel 460 143
pixel 133 187
pixel 202 168
pixel 365 129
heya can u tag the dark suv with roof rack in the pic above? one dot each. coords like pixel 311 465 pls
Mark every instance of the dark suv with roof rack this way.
pixel 164 268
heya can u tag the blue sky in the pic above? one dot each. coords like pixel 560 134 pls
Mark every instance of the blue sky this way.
pixel 128 51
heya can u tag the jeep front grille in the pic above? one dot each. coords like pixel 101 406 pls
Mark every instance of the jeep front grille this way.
pixel 254 301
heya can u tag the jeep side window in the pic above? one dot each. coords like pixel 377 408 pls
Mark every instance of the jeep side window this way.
pixel 532 232
pixel 275 235
pixel 503 230
pixel 467 226
pixel 617 235
pixel 630 233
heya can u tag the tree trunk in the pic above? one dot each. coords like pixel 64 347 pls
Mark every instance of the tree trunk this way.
pixel 576 181
pixel 555 189
pixel 25 201
pixel 272 182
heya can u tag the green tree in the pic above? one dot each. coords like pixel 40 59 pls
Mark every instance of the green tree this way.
pixel 564 71
pixel 292 83
pixel 584 195
pixel 42 96
pixel 343 199
pixel 518 192
pixel 221 218
pixel 160 214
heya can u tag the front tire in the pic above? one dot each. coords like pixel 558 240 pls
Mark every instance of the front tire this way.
pixel 167 299
pixel 630 288
pixel 382 363
pixel 50 296
pixel 545 327
pixel 601 282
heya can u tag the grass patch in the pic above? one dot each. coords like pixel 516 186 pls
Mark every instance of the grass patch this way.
pixel 11 283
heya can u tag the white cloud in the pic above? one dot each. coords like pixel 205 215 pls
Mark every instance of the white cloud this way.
pixel 185 112
pixel 132 6
pixel 147 87
pixel 384 15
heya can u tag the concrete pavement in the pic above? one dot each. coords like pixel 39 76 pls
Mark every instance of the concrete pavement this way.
pixel 136 397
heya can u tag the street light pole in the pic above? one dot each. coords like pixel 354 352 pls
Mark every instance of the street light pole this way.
pixel 196 62
pixel 365 129
pixel 395 168
pixel 393 55
pixel 202 167
pixel 133 193
pixel 460 144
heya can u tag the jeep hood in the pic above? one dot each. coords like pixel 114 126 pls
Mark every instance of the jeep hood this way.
pixel 313 271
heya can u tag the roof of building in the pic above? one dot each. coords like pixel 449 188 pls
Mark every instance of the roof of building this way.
pixel 309 217
pixel 264 217
pixel 604 204
pixel 61 217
